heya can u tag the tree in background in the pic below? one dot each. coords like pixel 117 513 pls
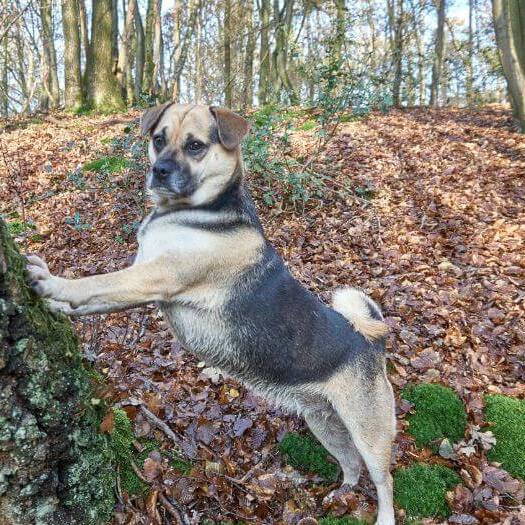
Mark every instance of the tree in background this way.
pixel 103 90
pixel 439 52
pixel 509 24
pixel 51 94
pixel 73 96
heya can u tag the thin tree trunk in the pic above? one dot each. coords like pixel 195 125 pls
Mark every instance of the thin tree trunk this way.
pixel 139 55
pixel 247 97
pixel 227 55
pixel 104 93
pixel 509 24
pixel 398 53
pixel 198 62
pixel 147 83
pixel 340 29
pixel 437 66
pixel 4 78
pixel 264 52
pixel 469 81
pixel 157 48
pixel 123 64
pixel 55 466
pixel 73 97
pixel 49 53
pixel 84 39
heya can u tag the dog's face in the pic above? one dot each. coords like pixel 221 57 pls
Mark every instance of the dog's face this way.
pixel 194 152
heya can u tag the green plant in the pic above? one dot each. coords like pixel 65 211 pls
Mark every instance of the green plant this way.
pixel 308 125
pixel 508 418
pixel 107 165
pixel 439 414
pixel 344 520
pixel 77 223
pixel 421 489
pixel 304 452
pixel 18 226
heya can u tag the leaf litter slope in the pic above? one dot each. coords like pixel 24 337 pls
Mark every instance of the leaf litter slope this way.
pixel 439 246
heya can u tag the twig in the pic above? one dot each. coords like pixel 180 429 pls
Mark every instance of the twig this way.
pixel 152 418
pixel 172 510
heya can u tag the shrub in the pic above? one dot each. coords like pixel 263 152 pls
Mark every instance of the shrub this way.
pixel 421 489
pixel 439 414
pixel 508 416
pixel 306 453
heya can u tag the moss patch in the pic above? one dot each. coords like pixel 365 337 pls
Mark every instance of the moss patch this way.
pixel 439 414
pixel 344 520
pixel 112 164
pixel 308 125
pixel 508 416
pixel 305 453
pixel 420 490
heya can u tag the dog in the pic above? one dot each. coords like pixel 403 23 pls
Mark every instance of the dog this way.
pixel 228 297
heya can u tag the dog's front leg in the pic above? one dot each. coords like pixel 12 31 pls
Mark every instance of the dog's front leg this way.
pixel 156 280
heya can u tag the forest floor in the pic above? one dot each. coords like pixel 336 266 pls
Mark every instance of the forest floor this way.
pixel 423 209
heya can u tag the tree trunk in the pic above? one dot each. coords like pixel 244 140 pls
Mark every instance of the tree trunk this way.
pixel 123 64
pixel 49 53
pixel 469 81
pixel 73 98
pixel 247 94
pixel 55 467
pixel 437 66
pixel 156 88
pixel 227 55
pixel 264 52
pixel 398 42
pixel 340 29
pixel 509 24
pixel 84 38
pixel 199 79
pixel 147 82
pixel 139 55
pixel 104 93
pixel 4 78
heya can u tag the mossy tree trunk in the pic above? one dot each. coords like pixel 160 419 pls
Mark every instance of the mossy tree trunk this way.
pixel 54 465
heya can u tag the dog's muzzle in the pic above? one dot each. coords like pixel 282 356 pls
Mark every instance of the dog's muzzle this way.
pixel 167 175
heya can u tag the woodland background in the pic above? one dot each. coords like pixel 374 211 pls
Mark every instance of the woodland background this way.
pixel 383 154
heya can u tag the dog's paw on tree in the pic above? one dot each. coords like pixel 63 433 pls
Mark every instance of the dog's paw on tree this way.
pixel 55 466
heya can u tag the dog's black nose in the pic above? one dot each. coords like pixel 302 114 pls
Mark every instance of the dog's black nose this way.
pixel 164 167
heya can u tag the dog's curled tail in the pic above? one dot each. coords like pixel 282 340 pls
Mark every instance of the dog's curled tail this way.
pixel 363 313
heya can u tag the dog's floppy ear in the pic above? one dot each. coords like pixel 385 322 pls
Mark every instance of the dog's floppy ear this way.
pixel 231 127
pixel 151 117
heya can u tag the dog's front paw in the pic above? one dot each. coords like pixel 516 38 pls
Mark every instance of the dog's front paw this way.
pixel 41 280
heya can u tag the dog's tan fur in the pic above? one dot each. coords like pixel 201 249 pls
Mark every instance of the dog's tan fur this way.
pixel 197 258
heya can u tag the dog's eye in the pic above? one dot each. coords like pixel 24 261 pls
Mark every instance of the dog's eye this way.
pixel 159 142
pixel 195 146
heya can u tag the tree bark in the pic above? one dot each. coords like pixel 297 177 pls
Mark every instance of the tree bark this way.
pixel 398 43
pixel 49 54
pixel 509 25
pixel 227 55
pixel 147 82
pixel 55 467
pixel 247 94
pixel 123 64
pixel 139 55
pixel 73 98
pixel 437 67
pixel 104 93
pixel 264 53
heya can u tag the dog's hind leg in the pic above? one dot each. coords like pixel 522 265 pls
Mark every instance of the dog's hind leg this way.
pixel 366 406
pixel 328 428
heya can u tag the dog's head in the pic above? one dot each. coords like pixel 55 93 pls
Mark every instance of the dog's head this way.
pixel 194 152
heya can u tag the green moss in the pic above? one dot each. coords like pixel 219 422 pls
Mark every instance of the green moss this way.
pixel 56 387
pixel 17 227
pixel 305 453
pixel 421 489
pixel 508 417
pixel 112 164
pixel 344 520
pixel 439 414
pixel 308 125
